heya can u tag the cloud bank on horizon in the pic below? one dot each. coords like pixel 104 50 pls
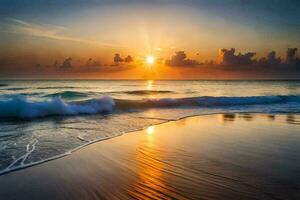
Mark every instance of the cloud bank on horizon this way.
pixel 111 37
pixel 240 65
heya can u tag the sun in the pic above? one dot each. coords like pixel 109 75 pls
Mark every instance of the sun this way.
pixel 150 60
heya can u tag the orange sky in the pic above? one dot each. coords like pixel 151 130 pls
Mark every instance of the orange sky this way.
pixel 52 33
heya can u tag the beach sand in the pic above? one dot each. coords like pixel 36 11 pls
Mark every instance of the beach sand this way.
pixel 223 156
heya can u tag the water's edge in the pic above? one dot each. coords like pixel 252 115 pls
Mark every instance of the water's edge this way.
pixel 69 152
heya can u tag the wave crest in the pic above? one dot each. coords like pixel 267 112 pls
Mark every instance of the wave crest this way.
pixel 18 106
pixel 69 94
pixel 206 101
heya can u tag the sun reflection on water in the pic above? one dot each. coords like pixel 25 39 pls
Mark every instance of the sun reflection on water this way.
pixel 150 181
pixel 150 130
pixel 149 84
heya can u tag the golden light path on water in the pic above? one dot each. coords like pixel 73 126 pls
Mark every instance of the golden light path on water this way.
pixel 150 182
pixel 150 85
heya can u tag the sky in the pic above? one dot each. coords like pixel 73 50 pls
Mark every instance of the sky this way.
pixel 189 39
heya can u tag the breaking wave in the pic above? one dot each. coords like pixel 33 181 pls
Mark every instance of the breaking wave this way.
pixel 18 106
pixel 69 94
pixel 21 107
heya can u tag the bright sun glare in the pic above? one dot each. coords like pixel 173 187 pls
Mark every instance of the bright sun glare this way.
pixel 150 60
pixel 150 130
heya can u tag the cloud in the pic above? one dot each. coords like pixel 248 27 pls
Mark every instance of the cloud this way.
pixel 92 63
pixel 39 30
pixel 228 57
pixel 291 56
pixel 17 26
pixel 291 60
pixel 128 59
pixel 67 64
pixel 269 66
pixel 243 65
pixel 118 59
pixel 180 59
pixel 270 60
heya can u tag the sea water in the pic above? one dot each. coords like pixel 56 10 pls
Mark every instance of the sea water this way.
pixel 43 120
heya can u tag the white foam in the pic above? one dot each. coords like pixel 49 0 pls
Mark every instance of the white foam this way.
pixel 20 107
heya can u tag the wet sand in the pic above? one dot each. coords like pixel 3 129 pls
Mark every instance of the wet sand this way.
pixel 230 156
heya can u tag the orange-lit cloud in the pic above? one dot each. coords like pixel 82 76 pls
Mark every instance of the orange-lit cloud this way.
pixel 231 66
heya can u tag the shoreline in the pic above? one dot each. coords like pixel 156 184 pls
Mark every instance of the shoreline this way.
pixel 222 154
pixel 71 151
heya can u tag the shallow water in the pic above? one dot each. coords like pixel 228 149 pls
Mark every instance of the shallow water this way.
pixel 224 156
pixel 43 119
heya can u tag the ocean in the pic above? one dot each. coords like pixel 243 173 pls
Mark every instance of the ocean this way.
pixel 44 120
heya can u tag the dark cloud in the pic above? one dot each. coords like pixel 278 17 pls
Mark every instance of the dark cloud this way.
pixel 291 58
pixel 180 59
pixel 128 59
pixel 244 65
pixel 92 63
pixel 291 54
pixel 67 64
pixel 233 64
pixel 118 59
pixel 270 66
pixel 270 60
pixel 228 57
